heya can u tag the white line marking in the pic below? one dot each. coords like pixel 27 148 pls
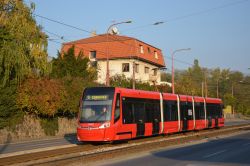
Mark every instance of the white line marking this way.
pixel 213 154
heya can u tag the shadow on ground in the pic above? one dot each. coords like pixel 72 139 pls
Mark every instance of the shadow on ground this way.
pixel 6 144
pixel 227 151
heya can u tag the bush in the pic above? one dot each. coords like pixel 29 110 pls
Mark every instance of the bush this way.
pixel 122 81
pixel 49 125
pixel 74 87
pixel 43 97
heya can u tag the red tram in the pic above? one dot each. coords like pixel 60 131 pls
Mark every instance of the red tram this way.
pixel 109 114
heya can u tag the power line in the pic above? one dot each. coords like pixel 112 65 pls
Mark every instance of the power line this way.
pixel 192 14
pixel 180 61
pixel 80 48
pixel 71 26
pixel 173 19
pixel 206 11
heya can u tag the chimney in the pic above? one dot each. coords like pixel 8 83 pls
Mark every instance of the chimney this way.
pixel 93 33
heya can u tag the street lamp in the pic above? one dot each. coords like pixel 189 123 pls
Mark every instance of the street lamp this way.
pixel 107 56
pixel 172 54
pixel 159 22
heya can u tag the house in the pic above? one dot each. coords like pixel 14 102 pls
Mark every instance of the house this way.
pixel 123 53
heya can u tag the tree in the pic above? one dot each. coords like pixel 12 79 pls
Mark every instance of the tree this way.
pixel 43 97
pixel 68 64
pixel 23 46
pixel 75 73
pixel 189 82
pixel 122 81
pixel 10 115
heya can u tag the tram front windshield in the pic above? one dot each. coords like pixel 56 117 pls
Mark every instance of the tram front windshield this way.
pixel 96 105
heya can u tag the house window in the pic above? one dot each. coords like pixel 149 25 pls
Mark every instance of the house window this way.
pixel 92 55
pixel 154 72
pixel 141 49
pixel 137 68
pixel 146 70
pixel 149 51
pixel 156 54
pixel 125 67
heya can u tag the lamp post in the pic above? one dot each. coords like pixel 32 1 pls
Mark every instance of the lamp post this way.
pixel 107 56
pixel 172 55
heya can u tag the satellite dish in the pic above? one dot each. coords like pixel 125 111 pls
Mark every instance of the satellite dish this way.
pixel 113 31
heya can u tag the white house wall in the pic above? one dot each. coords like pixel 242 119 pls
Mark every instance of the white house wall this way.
pixel 115 67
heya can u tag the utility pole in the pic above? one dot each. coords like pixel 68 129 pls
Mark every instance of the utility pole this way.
pixel 133 74
pixel 217 88
pixel 202 89
pixel 206 90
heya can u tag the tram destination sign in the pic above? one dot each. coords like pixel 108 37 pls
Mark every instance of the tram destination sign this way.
pixel 97 97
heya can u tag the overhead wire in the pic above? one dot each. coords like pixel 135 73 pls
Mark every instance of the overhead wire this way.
pixel 59 22
pixel 167 20
pixel 190 14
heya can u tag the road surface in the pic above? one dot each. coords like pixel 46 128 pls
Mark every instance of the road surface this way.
pixel 228 151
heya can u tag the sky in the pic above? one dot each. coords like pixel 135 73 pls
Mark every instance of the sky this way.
pixel 217 31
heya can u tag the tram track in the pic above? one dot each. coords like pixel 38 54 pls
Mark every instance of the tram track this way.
pixel 89 152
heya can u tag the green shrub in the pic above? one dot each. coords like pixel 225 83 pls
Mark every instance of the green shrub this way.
pixel 50 125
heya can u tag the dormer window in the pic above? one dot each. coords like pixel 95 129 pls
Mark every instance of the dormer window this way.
pixel 141 49
pixel 92 55
pixel 156 54
pixel 149 51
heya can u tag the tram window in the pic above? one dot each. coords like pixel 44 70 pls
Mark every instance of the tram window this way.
pixel 149 109
pixel 199 110
pixel 209 110
pixel 143 110
pixel 117 107
pixel 139 112
pixel 214 110
pixel 170 111
pixel 219 110
pixel 127 112
pixel 190 110
pixel 197 115
pixel 157 112
pixel 183 109
pixel 221 114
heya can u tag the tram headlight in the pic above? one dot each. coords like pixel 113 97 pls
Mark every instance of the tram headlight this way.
pixel 104 125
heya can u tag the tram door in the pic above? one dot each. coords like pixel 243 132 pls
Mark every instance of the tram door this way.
pixel 216 121
pixel 156 119
pixel 139 114
pixel 184 115
pixel 209 122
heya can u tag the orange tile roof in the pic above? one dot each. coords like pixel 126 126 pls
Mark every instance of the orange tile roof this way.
pixel 116 47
